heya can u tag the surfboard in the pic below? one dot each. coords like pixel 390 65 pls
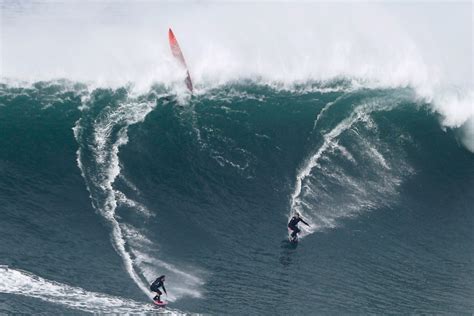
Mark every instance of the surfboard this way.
pixel 178 54
pixel 160 303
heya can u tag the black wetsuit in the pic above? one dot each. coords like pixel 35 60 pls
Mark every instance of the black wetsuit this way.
pixel 293 225
pixel 155 287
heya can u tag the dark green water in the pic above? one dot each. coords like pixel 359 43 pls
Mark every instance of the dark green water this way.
pixel 101 191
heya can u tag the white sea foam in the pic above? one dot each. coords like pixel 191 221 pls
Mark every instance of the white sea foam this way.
pixel 184 283
pixel 129 183
pixel 376 183
pixel 281 44
pixel 20 282
pixel 140 208
pixel 345 152
pixel 379 157
pixel 109 132
pixel 135 237
pixel 323 111
pixel 313 160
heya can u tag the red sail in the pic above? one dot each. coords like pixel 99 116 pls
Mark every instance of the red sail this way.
pixel 178 54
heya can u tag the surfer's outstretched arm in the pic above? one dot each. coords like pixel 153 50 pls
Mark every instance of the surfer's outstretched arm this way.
pixel 164 290
pixel 304 222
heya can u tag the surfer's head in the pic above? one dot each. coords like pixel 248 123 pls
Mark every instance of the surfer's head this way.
pixel 297 214
pixel 162 278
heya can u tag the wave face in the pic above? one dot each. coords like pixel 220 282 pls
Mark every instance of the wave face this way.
pixel 104 189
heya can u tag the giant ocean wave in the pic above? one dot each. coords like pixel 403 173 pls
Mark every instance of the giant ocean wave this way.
pixel 116 174
pixel 176 182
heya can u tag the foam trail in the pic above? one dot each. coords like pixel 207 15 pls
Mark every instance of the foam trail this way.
pixel 330 145
pixel 185 283
pixel 99 139
pixel 313 161
pixel 19 282
pixel 108 161
pixel 324 110
pixel 123 199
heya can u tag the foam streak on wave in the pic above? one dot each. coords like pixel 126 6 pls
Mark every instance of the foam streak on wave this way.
pixel 313 161
pixel 100 138
pixel 109 164
pixel 306 192
pixel 19 282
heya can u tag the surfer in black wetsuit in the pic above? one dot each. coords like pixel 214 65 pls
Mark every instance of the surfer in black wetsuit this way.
pixel 155 287
pixel 293 225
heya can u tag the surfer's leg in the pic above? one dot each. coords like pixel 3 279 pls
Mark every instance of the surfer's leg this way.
pixel 294 229
pixel 158 294
pixel 295 232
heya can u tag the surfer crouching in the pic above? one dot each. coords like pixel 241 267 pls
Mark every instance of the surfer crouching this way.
pixel 155 287
pixel 293 225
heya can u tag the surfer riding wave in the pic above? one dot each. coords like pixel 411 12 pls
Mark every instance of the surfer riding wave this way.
pixel 155 287
pixel 293 225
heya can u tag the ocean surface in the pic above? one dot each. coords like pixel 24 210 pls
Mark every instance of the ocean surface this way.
pixel 104 189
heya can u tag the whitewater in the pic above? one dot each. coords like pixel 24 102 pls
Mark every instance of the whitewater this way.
pixel 360 116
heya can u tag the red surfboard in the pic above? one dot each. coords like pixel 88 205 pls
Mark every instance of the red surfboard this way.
pixel 160 303
pixel 178 54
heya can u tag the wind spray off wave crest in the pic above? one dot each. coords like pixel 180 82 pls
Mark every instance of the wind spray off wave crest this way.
pixel 279 44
